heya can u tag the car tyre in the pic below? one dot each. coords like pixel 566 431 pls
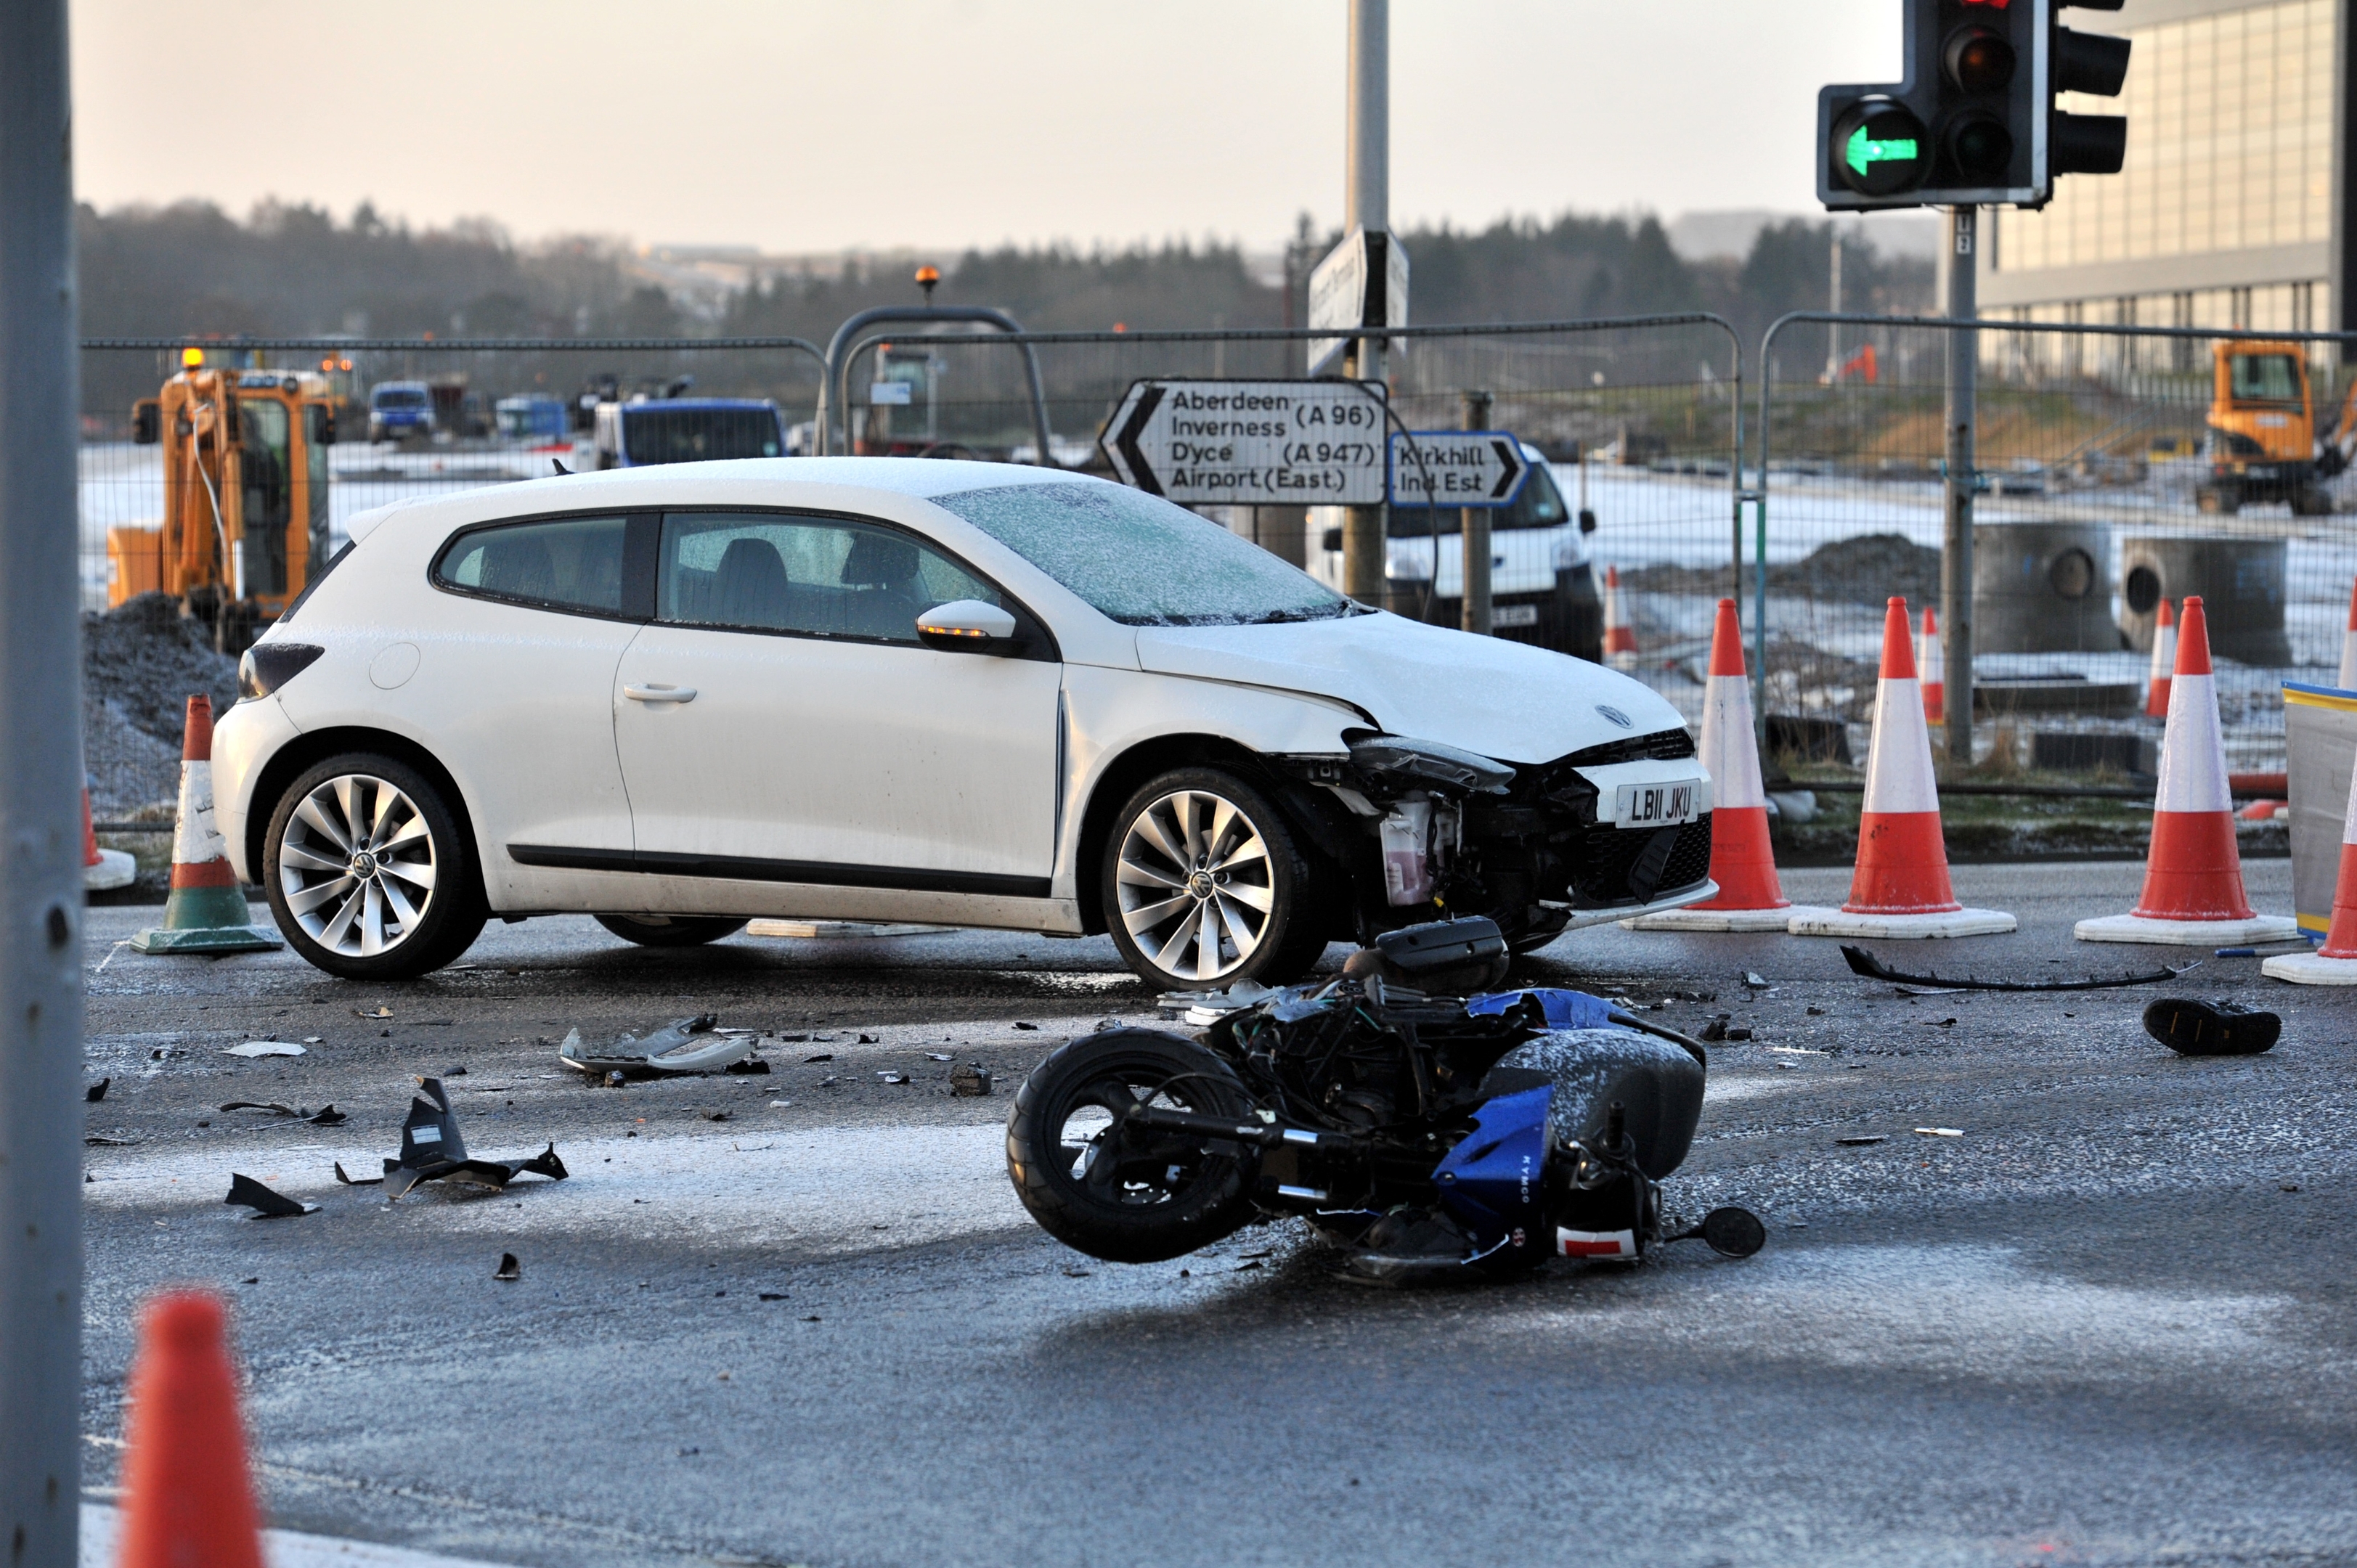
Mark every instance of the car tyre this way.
pixel 1200 839
pixel 368 873
pixel 1122 1193
pixel 671 930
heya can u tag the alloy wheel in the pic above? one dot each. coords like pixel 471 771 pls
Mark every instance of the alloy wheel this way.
pixel 357 865
pixel 1197 885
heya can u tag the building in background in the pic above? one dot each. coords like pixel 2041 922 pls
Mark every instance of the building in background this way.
pixel 2232 209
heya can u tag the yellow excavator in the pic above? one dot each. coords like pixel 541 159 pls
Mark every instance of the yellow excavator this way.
pixel 245 496
pixel 2263 443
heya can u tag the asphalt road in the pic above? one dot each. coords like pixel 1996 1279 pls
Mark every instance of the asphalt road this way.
pixel 2111 1323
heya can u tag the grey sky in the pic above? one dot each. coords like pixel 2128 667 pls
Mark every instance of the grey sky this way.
pixel 803 126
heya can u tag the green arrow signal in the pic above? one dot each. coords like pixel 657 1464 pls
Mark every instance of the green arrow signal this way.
pixel 1861 150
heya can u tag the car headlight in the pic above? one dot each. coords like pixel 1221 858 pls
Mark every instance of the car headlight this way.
pixel 1404 764
pixel 266 666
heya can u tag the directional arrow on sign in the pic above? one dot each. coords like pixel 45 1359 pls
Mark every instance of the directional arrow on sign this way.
pixel 1864 151
pixel 1305 443
pixel 1456 468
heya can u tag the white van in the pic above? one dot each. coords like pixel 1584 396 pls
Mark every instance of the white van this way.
pixel 1541 589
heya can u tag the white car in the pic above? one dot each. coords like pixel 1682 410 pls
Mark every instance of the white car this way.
pixel 893 689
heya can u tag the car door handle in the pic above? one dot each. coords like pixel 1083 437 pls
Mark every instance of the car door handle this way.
pixel 660 693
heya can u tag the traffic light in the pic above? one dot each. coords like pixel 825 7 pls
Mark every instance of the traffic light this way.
pixel 1974 123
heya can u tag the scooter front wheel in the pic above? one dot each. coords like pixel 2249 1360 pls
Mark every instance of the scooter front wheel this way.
pixel 1101 1183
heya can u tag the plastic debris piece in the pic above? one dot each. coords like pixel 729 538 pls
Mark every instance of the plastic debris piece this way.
pixel 1733 1036
pixel 893 1077
pixel 97 1091
pixel 1028 1028
pixel 456 1071
pixel 1716 1030
pixel 329 1116
pixel 265 1048
pixel 508 1268
pixel 781 1104
pixel 349 1180
pixel 1816 1012
pixel 267 1204
pixel 313 1040
pixel 372 1012
pixel 866 1039
pixel 1937 1023
pixel 773 1295
pixel 100 1141
pixel 970 1080
pixel 1941 1132
pixel 616 1079
pixel 715 1115
pixel 822 1057
pixel 1862 962
pixel 277 1108
pixel 940 1057
pixel 751 1067
pixel 1861 1140
pixel 432 1150
pixel 2193 1027
pixel 1754 981
pixel 682 1046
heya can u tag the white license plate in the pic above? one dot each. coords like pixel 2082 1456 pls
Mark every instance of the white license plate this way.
pixel 1514 614
pixel 1653 805
pixel 2262 473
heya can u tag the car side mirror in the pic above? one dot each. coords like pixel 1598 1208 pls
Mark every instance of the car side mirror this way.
pixel 1586 520
pixel 967 626
pixel 1331 541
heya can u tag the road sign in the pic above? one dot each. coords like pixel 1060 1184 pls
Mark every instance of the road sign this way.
pixel 1456 468
pixel 1312 443
pixel 1362 282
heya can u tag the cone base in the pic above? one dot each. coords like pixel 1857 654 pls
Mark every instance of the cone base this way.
pixel 2310 969
pixel 115 869
pixel 2186 933
pixel 1691 918
pixel 1902 928
pixel 208 938
pixel 1622 662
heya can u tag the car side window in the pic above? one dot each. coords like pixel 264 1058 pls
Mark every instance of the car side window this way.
pixel 813 575
pixel 569 563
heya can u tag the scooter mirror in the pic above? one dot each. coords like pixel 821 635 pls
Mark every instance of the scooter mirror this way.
pixel 1734 1233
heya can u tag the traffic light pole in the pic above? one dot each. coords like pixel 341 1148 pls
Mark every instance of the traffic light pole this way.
pixel 1956 541
pixel 40 830
pixel 1368 206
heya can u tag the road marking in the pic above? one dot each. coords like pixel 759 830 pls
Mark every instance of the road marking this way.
pixel 102 1530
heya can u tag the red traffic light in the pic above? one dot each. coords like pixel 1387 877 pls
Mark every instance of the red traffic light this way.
pixel 1977 59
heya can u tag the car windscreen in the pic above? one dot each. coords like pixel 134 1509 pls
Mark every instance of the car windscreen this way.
pixel 398 397
pixel 1538 504
pixel 658 434
pixel 1142 561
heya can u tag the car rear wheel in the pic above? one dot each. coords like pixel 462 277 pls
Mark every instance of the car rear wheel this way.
pixel 368 873
pixel 671 930
pixel 1204 885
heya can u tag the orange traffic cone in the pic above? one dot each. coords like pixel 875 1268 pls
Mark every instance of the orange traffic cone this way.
pixel 2348 678
pixel 1899 888
pixel 102 869
pixel 1620 637
pixel 2334 963
pixel 1932 663
pixel 2164 661
pixel 186 1496
pixel 1742 863
pixel 205 911
pixel 2193 874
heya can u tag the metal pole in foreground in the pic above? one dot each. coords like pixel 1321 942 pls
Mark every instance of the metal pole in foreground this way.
pixel 41 826
pixel 1367 204
pixel 1474 523
pixel 1957 542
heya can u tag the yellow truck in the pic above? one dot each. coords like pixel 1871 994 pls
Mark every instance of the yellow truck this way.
pixel 245 495
pixel 2263 441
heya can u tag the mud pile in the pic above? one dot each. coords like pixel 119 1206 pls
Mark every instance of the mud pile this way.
pixel 1865 570
pixel 140 663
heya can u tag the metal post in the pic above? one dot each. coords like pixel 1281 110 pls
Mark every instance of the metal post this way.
pixel 1474 522
pixel 40 825
pixel 1367 205
pixel 1957 542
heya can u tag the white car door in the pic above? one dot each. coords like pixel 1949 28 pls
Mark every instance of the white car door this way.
pixel 516 687
pixel 779 721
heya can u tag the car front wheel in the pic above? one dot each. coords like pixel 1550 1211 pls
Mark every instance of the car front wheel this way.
pixel 1203 885
pixel 368 873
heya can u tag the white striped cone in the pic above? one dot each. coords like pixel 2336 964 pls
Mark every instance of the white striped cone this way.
pixel 1620 637
pixel 2348 678
pixel 2334 963
pixel 2193 874
pixel 1900 886
pixel 1742 862
pixel 2164 662
pixel 103 870
pixel 1931 667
